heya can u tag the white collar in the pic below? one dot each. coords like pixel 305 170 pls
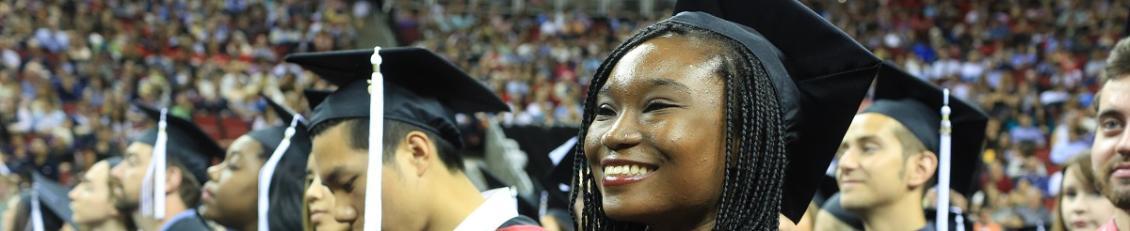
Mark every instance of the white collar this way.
pixel 500 206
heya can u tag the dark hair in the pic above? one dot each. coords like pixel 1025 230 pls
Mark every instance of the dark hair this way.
pixel 755 149
pixel 1118 63
pixel 1117 67
pixel 189 190
pixel 394 132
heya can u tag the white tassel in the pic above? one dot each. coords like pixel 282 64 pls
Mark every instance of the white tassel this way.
pixel 372 219
pixel 941 219
pixel 36 211
pixel 267 173
pixel 153 185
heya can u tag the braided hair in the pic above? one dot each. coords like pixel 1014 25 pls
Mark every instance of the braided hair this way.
pixel 755 148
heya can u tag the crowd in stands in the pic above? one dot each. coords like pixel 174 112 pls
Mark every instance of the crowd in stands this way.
pixel 70 69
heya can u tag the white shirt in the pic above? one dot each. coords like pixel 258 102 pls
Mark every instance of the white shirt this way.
pixel 500 206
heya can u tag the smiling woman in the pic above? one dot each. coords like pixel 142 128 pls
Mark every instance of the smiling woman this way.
pixel 694 124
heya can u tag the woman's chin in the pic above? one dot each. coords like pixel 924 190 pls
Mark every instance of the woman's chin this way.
pixel 629 212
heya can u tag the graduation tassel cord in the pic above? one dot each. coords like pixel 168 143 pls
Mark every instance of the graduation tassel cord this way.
pixel 267 173
pixel 161 152
pixel 36 211
pixel 153 185
pixel 941 219
pixel 372 219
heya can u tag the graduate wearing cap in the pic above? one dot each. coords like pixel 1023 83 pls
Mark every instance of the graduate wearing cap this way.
pixel 711 120
pixel 43 207
pixel 159 179
pixel 890 155
pixel 415 163
pixel 259 184
pixel 91 200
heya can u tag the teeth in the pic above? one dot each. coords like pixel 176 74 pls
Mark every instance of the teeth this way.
pixel 626 170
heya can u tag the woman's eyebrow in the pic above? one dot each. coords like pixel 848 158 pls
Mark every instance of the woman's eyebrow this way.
pixel 661 82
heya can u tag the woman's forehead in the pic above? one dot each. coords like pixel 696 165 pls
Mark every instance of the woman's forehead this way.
pixel 662 62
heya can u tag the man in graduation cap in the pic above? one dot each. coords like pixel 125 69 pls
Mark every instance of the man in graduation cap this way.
pixel 889 156
pixel 159 179
pixel 1110 152
pixel 410 175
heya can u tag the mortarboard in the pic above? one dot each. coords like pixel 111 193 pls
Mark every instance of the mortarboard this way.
pixel 289 146
pixel 50 206
pixel 558 182
pixel 177 138
pixel 917 105
pixel 314 97
pixel 421 89
pixel 409 85
pixel 819 72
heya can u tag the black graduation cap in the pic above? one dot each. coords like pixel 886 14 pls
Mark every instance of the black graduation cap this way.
pixel 289 146
pixel 917 105
pixel 49 204
pixel 415 87
pixel 186 142
pixel 315 97
pixel 421 89
pixel 820 73
pixel 559 180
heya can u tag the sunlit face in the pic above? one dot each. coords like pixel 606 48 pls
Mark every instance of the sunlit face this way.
pixel 1083 207
pixel 869 171
pixel 655 145
pixel 90 199
pixel 126 178
pixel 1110 153
pixel 320 201
pixel 231 195
pixel 343 171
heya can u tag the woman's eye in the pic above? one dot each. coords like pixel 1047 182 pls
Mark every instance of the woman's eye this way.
pixel 605 110
pixel 657 106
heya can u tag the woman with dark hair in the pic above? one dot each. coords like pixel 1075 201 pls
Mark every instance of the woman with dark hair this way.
pixel 1080 205
pixel 694 123
pixel 235 192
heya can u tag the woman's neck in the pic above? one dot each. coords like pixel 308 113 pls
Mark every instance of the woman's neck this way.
pixel 703 221
pixel 254 225
pixel 108 225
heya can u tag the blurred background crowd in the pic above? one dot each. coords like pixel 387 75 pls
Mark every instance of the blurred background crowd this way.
pixel 70 68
